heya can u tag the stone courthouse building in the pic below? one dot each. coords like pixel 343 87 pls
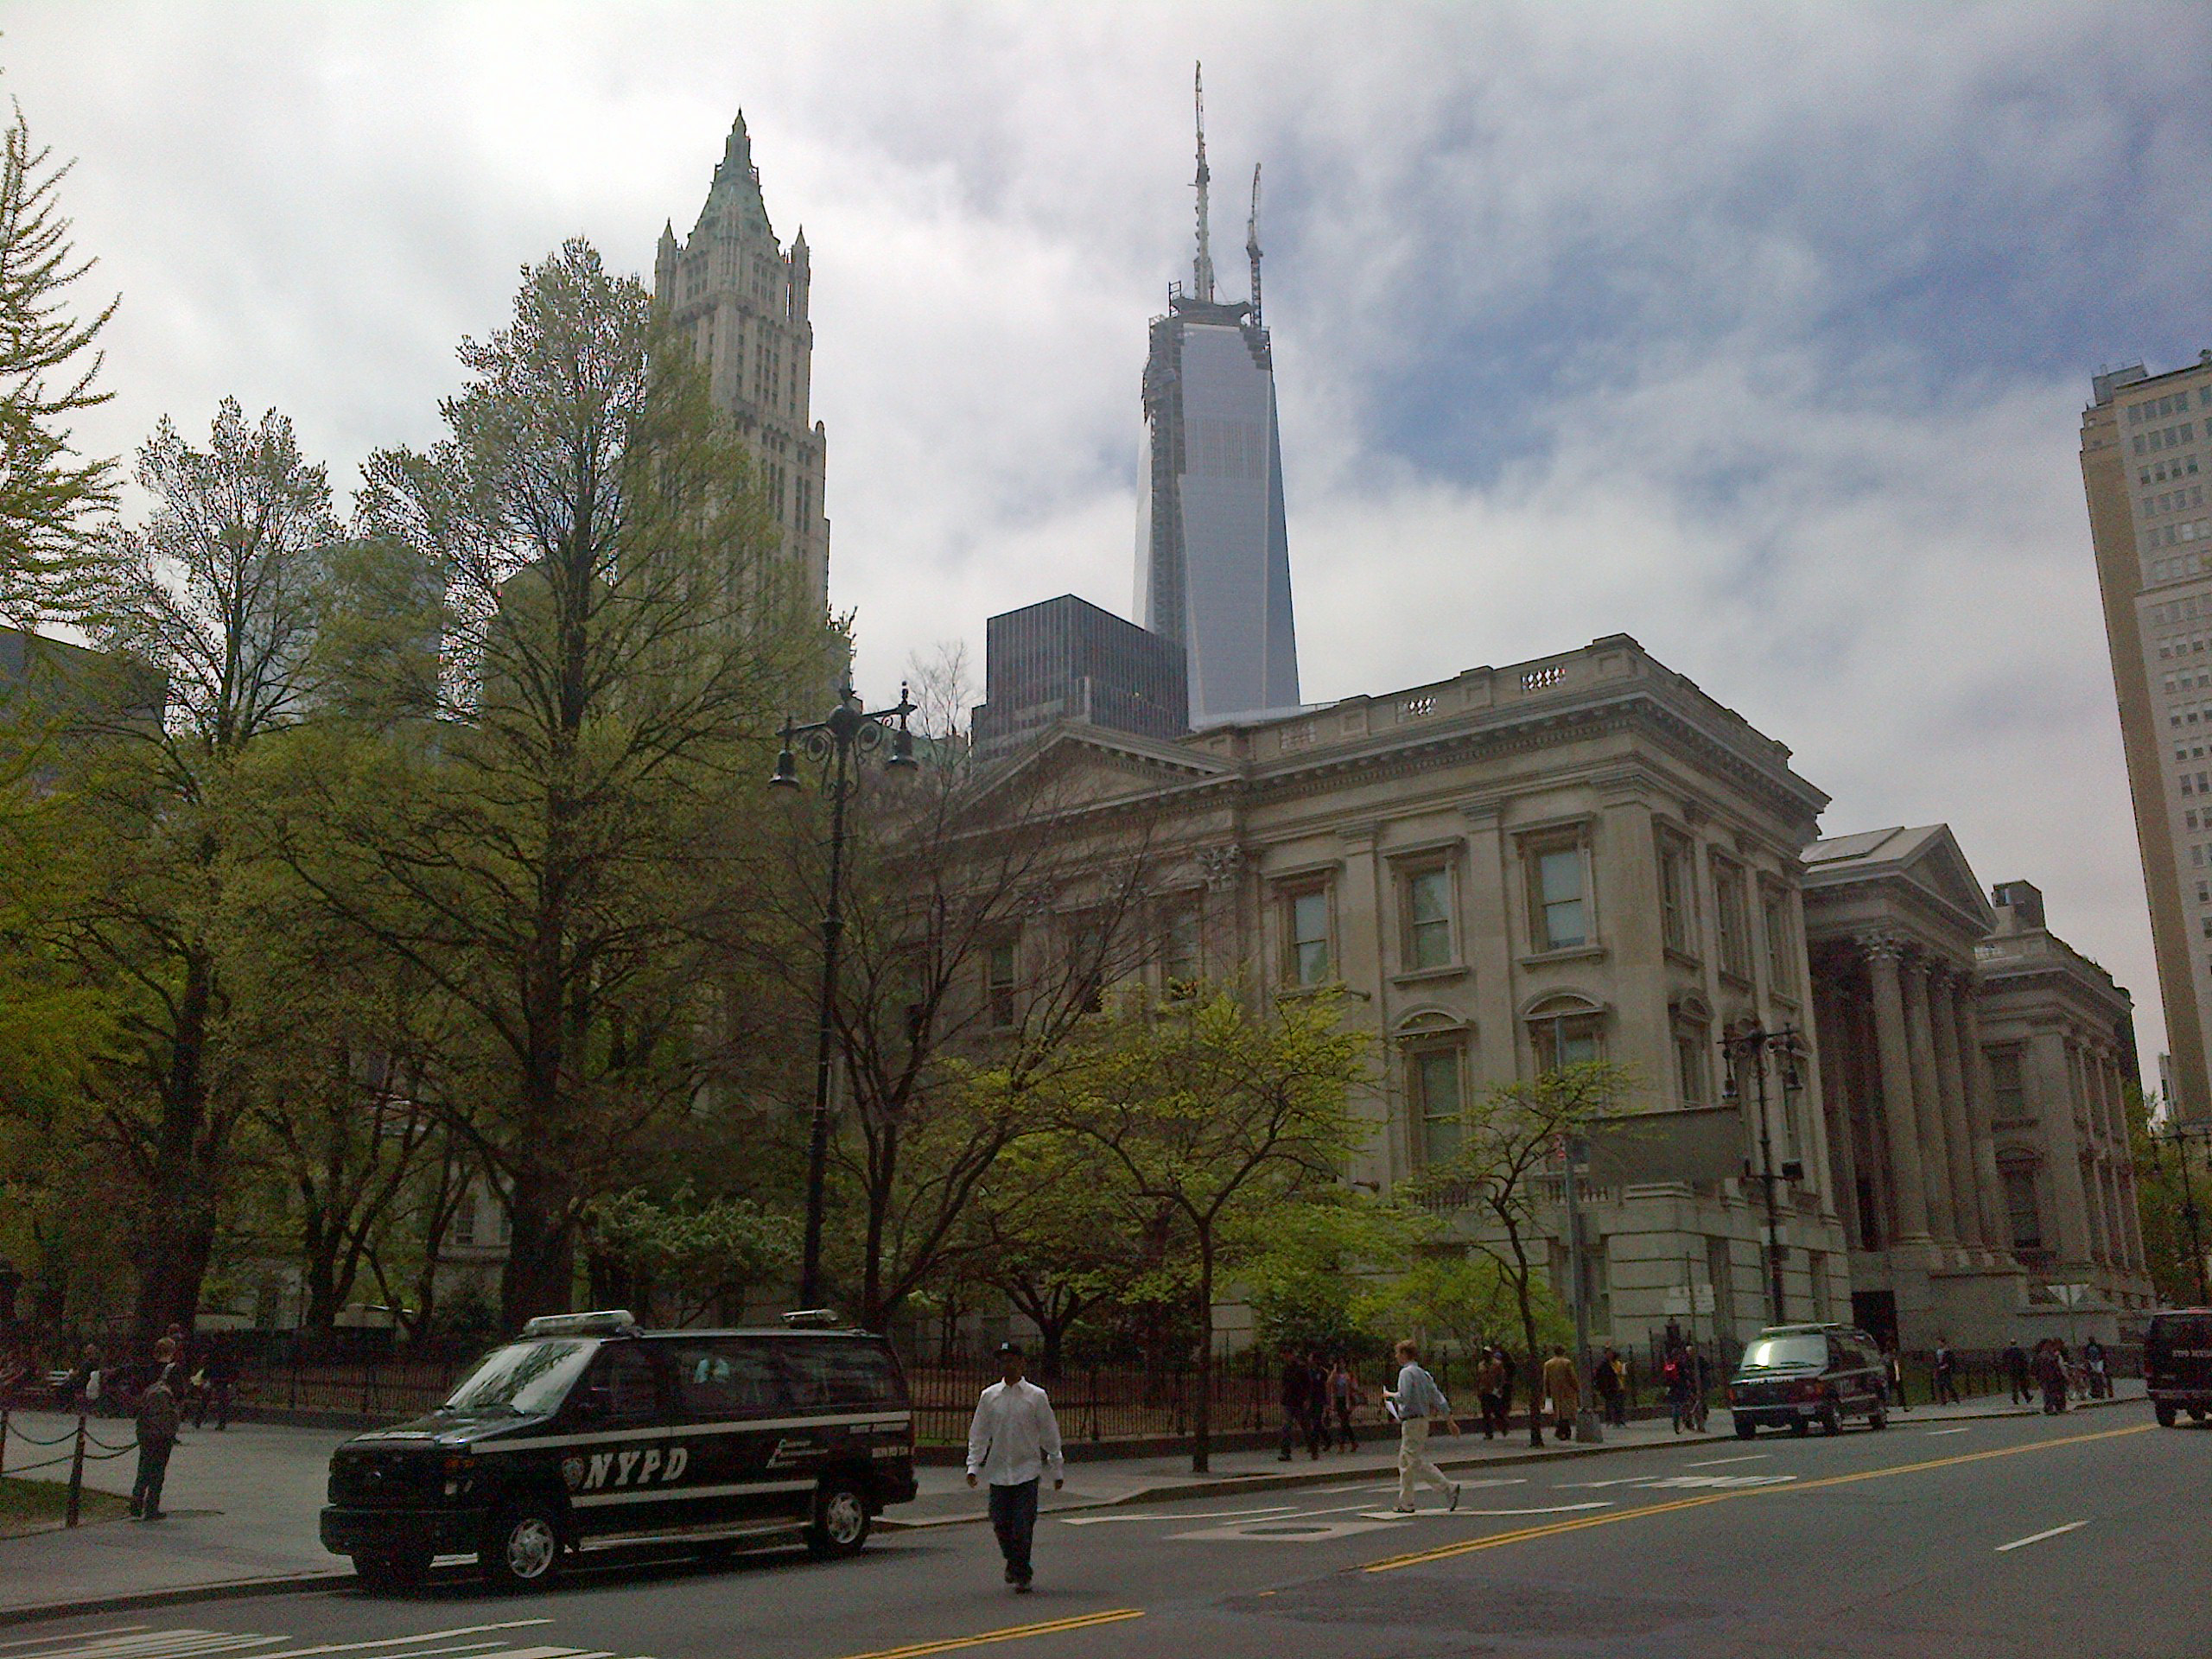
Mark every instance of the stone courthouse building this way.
pixel 1586 856
pixel 1581 856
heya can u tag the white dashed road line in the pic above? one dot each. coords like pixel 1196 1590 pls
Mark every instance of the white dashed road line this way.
pixel 2037 1537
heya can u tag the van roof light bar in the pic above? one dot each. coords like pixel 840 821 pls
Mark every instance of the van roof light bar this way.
pixel 606 1322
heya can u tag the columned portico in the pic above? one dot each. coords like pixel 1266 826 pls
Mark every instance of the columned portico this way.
pixel 1899 1119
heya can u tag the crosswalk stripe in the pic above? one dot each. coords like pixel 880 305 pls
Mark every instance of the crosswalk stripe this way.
pixel 404 1641
pixel 81 1635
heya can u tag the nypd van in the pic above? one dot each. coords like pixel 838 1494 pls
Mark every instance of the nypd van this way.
pixel 588 1430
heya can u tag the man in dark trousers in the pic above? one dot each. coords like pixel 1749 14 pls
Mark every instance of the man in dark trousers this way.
pixel 1012 1440
pixel 158 1418
pixel 1297 1399
pixel 2016 1372
pixel 1947 1373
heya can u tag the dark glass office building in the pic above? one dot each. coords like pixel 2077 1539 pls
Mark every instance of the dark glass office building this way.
pixel 1066 659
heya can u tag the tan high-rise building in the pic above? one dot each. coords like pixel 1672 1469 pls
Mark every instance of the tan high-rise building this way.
pixel 731 287
pixel 2146 463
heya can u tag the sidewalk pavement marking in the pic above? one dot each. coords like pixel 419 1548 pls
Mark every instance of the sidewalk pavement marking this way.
pixel 1012 1633
pixel 2037 1537
pixel 1470 1546
pixel 1210 1515
pixel 81 1635
pixel 169 1644
pixel 1714 1463
pixel 404 1641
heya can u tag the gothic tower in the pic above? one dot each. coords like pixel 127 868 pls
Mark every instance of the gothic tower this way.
pixel 742 299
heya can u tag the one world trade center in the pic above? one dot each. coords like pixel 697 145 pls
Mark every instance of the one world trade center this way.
pixel 1213 561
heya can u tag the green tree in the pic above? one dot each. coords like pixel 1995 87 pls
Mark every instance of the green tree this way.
pixel 50 497
pixel 688 1255
pixel 139 892
pixel 1514 1142
pixel 2164 1197
pixel 575 863
pixel 1213 1113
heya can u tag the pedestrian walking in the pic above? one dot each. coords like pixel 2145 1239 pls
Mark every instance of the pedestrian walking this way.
pixel 1343 1394
pixel 81 1388
pixel 1622 1386
pixel 1675 1378
pixel 2016 1372
pixel 1507 1374
pixel 2050 1373
pixel 1609 1383
pixel 158 1418
pixel 1490 1384
pixel 214 1385
pixel 2094 1361
pixel 1895 1369
pixel 1295 1394
pixel 1012 1439
pixel 1947 1367
pixel 1562 1392
pixel 1416 1403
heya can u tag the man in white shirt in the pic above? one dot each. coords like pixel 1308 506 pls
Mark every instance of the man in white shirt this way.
pixel 1012 1439
pixel 1416 1403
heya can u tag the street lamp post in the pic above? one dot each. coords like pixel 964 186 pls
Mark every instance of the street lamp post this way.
pixel 832 743
pixel 1750 1047
pixel 2181 1135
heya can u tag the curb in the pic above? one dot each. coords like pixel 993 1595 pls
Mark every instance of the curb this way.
pixel 289 1584
pixel 1180 1491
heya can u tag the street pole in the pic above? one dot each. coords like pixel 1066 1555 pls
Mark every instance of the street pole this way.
pixel 2189 1210
pixel 1767 1178
pixel 832 742
pixel 1588 1428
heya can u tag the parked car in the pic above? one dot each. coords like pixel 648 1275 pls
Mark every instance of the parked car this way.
pixel 1794 1375
pixel 2177 1363
pixel 589 1430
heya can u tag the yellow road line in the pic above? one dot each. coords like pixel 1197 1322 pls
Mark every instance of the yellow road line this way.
pixel 1525 1534
pixel 1012 1633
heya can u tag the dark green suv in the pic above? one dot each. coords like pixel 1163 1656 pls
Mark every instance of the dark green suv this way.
pixel 2177 1363
pixel 1794 1375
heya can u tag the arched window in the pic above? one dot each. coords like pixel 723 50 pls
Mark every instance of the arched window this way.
pixel 1565 1028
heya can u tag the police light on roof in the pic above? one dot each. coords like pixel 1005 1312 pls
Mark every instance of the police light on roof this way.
pixel 608 1322
pixel 811 1319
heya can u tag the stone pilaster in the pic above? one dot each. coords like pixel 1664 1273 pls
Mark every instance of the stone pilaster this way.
pixel 1996 1226
pixel 1927 1104
pixel 1900 1118
pixel 1957 1132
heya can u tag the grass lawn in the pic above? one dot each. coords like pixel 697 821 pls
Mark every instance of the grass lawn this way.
pixel 35 1505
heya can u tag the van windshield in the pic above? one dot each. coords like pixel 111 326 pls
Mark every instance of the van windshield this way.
pixel 1776 1353
pixel 530 1378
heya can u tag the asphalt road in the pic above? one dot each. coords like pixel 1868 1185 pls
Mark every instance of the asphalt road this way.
pixel 2001 1538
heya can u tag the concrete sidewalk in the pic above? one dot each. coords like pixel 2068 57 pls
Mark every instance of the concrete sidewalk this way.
pixel 243 1503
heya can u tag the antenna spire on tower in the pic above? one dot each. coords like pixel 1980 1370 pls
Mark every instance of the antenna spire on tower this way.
pixel 1252 242
pixel 1202 267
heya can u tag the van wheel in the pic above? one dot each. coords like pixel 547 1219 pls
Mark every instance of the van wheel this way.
pixel 2165 1415
pixel 523 1548
pixel 1831 1422
pixel 2197 1414
pixel 1877 1418
pixel 841 1520
pixel 1746 1428
pixel 1799 1426
pixel 388 1573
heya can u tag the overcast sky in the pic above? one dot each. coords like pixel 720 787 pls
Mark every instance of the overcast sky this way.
pixel 1762 334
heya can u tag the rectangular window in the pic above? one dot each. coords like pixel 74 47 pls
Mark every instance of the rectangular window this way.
pixel 1432 1079
pixel 2021 1207
pixel 1563 912
pixel 1561 1043
pixel 998 984
pixel 464 1221
pixel 1429 919
pixel 2008 1096
pixel 1307 916
pixel 1180 966
pixel 1728 917
pixel 1677 890
pixel 1690 1066
pixel 1774 905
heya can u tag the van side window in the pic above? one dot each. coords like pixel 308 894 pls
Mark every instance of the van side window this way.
pixel 721 1379
pixel 829 1375
pixel 623 1386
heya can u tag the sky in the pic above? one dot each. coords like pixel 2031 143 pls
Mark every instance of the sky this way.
pixel 1760 332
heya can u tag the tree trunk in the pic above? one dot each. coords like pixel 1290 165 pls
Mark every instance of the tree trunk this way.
pixel 1528 1342
pixel 179 1235
pixel 1202 1415
pixel 540 1271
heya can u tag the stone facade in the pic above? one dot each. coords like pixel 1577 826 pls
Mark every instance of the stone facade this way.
pixel 1932 1006
pixel 1582 855
pixel 741 301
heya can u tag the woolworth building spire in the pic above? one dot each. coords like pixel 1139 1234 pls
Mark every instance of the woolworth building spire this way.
pixel 742 301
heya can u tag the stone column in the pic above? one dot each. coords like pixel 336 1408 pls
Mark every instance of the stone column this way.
pixel 1957 1132
pixel 1996 1224
pixel 2045 1071
pixel 2132 1218
pixel 1830 1027
pixel 1927 1104
pixel 1899 1117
